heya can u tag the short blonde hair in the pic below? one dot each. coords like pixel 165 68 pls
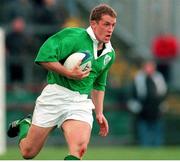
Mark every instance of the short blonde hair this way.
pixel 100 10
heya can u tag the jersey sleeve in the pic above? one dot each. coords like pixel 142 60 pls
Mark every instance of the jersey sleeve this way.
pixel 48 51
pixel 100 82
pixel 56 48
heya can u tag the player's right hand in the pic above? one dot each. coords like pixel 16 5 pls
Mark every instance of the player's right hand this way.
pixel 77 74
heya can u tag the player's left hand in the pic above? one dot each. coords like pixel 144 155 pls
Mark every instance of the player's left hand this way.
pixel 103 123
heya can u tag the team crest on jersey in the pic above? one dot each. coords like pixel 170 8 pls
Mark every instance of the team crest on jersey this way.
pixel 107 58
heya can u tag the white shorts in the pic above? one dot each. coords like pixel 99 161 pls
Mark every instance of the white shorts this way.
pixel 57 104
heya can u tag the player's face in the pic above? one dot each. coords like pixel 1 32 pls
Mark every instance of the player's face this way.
pixel 104 28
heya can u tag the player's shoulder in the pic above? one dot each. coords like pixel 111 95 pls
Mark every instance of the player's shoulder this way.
pixel 72 31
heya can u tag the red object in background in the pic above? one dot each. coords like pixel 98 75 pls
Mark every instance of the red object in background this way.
pixel 165 46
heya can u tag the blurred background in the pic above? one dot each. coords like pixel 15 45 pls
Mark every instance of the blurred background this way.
pixel 145 30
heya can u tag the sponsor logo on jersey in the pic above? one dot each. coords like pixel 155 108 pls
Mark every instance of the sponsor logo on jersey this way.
pixel 107 58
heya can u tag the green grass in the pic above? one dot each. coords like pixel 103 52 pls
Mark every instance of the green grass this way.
pixel 103 153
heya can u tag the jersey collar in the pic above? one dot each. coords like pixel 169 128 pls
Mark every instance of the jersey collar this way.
pixel 108 46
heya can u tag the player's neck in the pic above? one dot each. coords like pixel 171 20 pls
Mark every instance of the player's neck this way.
pixel 100 45
pixel 99 52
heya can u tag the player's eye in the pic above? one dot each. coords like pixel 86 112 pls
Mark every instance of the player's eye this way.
pixel 113 25
pixel 106 24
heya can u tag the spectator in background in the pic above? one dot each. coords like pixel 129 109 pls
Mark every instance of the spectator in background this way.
pixel 148 93
pixel 16 50
pixel 49 16
pixel 165 49
pixel 72 8
pixel 18 8
pixel 49 12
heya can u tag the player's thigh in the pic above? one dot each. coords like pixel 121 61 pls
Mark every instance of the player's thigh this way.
pixel 76 132
pixel 35 138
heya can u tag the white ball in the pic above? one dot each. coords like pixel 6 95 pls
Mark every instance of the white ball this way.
pixel 74 58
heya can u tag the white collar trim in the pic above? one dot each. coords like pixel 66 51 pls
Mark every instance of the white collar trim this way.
pixel 108 46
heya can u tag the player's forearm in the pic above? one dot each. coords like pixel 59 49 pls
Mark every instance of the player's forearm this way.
pixel 98 99
pixel 56 67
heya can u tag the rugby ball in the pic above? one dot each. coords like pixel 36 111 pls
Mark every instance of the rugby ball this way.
pixel 74 58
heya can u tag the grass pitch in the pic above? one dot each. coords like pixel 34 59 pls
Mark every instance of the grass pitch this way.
pixel 102 153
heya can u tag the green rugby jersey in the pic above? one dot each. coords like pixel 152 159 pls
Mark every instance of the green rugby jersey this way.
pixel 70 40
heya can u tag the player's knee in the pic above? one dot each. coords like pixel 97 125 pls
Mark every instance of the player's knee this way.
pixel 78 150
pixel 28 153
pixel 82 149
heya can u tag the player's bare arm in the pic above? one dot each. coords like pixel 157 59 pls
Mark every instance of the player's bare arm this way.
pixel 76 73
pixel 98 98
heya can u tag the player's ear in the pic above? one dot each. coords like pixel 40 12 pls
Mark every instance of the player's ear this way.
pixel 93 23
